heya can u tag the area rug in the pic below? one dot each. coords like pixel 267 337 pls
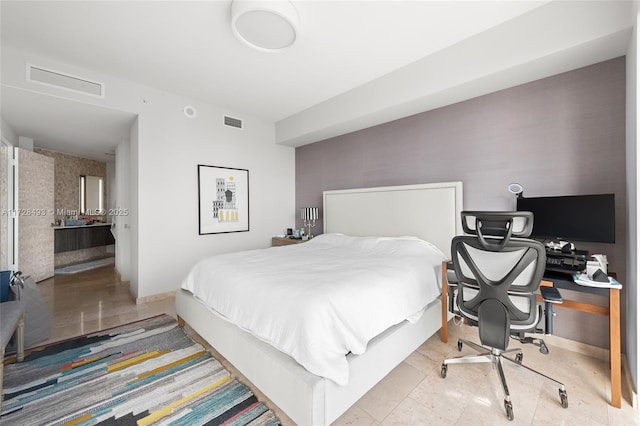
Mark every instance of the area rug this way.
pixel 144 373
pixel 86 266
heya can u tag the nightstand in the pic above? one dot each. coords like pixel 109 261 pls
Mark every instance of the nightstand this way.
pixel 284 241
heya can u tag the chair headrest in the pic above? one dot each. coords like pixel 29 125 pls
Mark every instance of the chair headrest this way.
pixel 501 225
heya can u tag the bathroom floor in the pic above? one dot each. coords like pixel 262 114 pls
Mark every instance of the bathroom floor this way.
pixel 85 266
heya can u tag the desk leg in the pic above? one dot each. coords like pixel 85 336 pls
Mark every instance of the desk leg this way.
pixel 444 330
pixel 614 347
pixel 548 318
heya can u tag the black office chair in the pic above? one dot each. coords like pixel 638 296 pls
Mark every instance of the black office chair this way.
pixel 497 270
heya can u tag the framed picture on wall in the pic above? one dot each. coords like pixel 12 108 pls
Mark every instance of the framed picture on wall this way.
pixel 223 199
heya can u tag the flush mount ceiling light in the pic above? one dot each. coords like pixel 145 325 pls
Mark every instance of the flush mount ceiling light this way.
pixel 265 25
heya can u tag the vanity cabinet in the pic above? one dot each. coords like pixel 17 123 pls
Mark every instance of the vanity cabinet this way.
pixel 72 238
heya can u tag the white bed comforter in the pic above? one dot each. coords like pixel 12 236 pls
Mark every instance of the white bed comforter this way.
pixel 320 300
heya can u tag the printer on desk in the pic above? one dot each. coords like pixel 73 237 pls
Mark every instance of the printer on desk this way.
pixel 565 258
pixel 568 261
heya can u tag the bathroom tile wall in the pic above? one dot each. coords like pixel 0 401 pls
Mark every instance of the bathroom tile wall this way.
pixel 68 169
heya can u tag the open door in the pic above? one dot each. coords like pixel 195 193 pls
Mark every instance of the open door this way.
pixel 7 253
pixel 34 213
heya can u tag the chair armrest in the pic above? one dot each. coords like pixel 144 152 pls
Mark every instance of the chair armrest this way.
pixel 451 274
pixel 452 287
pixel 550 294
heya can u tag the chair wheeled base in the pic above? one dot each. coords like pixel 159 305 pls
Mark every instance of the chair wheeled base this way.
pixel 495 356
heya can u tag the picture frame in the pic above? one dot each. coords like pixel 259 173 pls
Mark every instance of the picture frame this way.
pixel 223 200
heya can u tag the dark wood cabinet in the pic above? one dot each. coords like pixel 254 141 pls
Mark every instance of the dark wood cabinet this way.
pixel 81 237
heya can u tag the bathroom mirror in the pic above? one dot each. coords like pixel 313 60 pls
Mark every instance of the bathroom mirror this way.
pixel 91 195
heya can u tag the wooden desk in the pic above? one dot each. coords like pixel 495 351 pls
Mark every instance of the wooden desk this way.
pixel 613 311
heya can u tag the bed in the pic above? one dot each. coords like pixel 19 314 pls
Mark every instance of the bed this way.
pixel 429 212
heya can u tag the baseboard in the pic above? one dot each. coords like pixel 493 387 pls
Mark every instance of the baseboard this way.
pixel 628 389
pixel 578 347
pixel 627 384
pixel 155 297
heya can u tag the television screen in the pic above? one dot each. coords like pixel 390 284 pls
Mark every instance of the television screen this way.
pixel 572 218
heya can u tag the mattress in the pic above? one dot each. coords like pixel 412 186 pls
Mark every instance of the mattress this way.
pixel 323 299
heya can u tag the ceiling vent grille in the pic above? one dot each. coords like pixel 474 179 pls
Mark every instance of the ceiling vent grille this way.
pixel 65 81
pixel 232 122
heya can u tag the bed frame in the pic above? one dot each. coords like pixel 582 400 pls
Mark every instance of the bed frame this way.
pixel 428 211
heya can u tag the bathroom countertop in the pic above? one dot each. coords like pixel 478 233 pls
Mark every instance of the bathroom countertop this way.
pixel 81 226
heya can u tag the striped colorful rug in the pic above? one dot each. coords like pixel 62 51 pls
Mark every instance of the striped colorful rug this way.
pixel 144 373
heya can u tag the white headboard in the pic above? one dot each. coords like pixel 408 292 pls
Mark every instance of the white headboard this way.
pixel 429 211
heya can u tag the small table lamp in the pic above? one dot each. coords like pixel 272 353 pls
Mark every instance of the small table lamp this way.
pixel 309 216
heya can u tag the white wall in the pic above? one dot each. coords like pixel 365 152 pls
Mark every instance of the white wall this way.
pixel 168 197
pixel 7 132
pixel 122 202
pixel 111 185
pixel 132 218
pixel 633 157
pixel 25 143
pixel 111 195
pixel 163 172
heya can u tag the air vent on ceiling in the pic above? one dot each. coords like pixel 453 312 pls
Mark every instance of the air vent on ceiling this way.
pixel 63 80
pixel 232 122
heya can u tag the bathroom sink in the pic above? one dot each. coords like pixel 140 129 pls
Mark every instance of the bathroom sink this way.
pixel 74 222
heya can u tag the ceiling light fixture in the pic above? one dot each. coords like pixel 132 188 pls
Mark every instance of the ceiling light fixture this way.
pixel 269 26
pixel 189 111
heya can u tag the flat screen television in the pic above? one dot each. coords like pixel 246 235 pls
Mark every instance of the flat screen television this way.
pixel 572 218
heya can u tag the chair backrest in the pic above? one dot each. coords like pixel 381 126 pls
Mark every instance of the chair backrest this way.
pixel 498 271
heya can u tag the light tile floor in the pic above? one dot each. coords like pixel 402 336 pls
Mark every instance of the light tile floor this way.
pixel 413 393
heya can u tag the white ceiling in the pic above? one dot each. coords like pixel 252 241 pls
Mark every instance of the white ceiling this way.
pixel 65 126
pixel 188 48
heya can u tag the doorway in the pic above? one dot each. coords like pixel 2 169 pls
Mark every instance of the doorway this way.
pixel 71 127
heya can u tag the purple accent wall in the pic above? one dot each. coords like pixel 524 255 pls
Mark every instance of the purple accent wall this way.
pixel 562 135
